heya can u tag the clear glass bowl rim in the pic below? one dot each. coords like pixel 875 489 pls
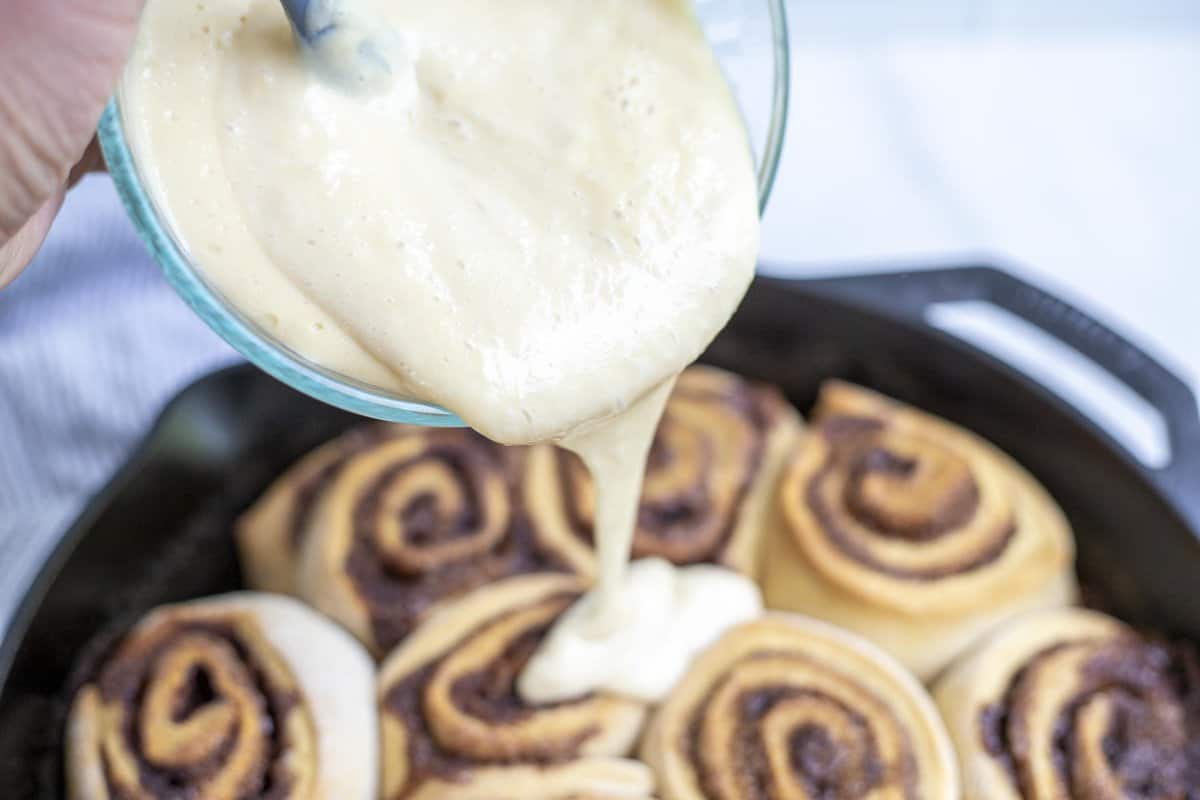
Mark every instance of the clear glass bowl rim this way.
pixel 290 367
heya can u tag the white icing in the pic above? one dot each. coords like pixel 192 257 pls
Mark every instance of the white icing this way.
pixel 541 214
pixel 615 453
pixel 667 615
pixel 550 210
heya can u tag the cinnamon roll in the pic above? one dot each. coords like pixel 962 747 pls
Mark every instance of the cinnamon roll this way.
pixel 791 707
pixel 412 521
pixel 911 531
pixel 235 697
pixel 710 476
pixel 1071 703
pixel 271 533
pixel 453 726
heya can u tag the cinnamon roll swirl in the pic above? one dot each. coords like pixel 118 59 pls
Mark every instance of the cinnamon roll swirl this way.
pixel 1073 704
pixel 236 697
pixel 911 531
pixel 791 707
pixel 453 726
pixel 710 476
pixel 413 521
pixel 270 535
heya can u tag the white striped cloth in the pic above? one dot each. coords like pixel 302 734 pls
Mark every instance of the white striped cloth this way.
pixel 93 342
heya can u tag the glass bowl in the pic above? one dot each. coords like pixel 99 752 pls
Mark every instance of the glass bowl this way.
pixel 751 41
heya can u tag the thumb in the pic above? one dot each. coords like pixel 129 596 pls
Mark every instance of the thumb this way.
pixel 60 60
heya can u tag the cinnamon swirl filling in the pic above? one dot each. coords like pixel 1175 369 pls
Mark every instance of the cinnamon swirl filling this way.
pixel 715 453
pixel 201 708
pixel 451 714
pixel 1100 718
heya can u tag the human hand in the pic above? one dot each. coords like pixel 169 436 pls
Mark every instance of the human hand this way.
pixel 59 62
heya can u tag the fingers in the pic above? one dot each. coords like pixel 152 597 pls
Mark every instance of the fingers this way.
pixel 20 249
pixel 60 60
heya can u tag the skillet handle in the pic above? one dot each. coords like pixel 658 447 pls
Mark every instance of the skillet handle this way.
pixel 909 295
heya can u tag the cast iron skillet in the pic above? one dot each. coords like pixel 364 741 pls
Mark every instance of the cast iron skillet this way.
pixel 160 531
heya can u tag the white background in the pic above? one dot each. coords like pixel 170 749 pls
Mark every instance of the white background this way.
pixel 1062 136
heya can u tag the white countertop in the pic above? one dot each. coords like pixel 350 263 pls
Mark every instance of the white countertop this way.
pixel 1070 149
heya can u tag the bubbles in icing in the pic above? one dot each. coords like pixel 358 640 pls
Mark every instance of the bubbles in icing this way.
pixel 551 211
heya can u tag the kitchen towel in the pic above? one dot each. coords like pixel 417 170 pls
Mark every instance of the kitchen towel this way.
pixel 93 342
